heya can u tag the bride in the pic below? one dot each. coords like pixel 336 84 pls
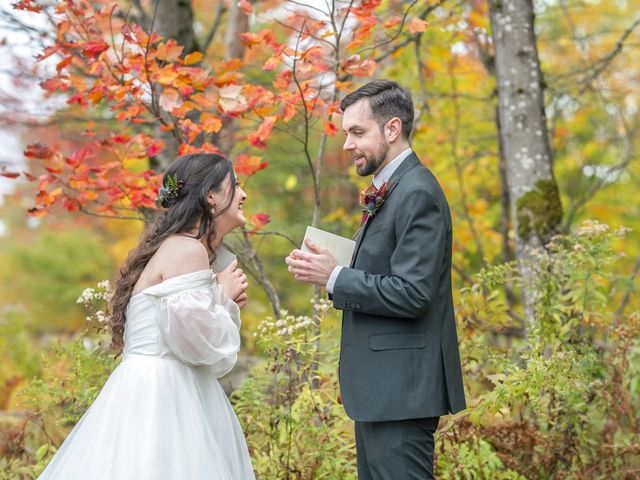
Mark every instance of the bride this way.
pixel 162 413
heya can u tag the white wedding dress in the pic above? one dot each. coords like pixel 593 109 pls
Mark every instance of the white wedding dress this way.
pixel 162 414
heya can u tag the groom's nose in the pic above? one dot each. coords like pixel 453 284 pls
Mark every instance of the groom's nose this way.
pixel 348 144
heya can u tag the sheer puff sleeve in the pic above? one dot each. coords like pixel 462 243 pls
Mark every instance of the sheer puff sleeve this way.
pixel 201 326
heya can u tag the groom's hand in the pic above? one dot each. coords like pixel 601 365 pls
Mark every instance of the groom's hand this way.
pixel 311 267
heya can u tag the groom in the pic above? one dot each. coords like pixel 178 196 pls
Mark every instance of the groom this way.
pixel 399 361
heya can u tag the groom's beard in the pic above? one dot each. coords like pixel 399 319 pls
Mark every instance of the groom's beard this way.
pixel 372 163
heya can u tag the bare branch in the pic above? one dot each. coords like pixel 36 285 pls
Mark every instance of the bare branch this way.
pixel 114 217
pixel 310 7
pixel 301 31
pixel 397 33
pixel 627 294
pixel 460 176
pixel 594 70
pixel 601 182
pixel 277 234
pixel 141 12
pixel 214 26
pixel 400 45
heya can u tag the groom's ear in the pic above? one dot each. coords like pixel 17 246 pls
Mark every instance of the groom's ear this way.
pixel 393 129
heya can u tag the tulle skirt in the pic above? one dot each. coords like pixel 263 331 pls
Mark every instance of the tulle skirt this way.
pixel 155 418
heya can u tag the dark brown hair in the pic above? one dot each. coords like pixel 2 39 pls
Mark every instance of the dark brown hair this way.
pixel 198 174
pixel 387 100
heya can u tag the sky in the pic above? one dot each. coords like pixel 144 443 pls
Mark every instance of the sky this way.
pixel 15 44
pixel 19 95
pixel 22 96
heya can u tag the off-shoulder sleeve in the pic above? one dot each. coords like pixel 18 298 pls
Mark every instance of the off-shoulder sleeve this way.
pixel 201 327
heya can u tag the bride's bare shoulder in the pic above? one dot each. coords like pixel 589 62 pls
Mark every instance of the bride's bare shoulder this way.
pixel 180 254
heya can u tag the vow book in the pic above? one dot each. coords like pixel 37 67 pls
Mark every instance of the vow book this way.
pixel 340 247
pixel 223 258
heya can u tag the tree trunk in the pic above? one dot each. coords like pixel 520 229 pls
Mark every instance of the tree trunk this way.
pixel 234 47
pixel 536 211
pixel 173 20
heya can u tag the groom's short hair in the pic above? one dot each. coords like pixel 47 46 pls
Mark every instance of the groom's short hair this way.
pixel 387 99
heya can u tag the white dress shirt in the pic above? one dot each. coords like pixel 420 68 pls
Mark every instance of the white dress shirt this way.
pixel 378 181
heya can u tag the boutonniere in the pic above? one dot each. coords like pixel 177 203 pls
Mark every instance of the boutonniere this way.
pixel 372 199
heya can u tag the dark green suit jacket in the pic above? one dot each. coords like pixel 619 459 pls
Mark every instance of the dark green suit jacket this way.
pixel 399 354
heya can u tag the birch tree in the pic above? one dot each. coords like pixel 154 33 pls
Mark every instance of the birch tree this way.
pixel 536 210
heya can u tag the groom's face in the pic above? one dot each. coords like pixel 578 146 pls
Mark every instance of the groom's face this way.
pixel 365 141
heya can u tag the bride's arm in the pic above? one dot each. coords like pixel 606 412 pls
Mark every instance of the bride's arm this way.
pixel 201 327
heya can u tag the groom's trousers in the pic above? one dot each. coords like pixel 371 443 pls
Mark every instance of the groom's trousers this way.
pixel 396 450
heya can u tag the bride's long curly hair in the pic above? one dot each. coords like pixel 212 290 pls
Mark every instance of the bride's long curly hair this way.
pixel 197 174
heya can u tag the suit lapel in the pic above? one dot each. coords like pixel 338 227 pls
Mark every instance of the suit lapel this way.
pixel 406 165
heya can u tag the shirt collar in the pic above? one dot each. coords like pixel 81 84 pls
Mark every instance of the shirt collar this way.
pixel 389 168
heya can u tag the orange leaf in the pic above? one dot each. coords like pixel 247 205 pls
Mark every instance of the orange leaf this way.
pixel 251 39
pixel 258 220
pixel 36 150
pixel 155 148
pixel 187 149
pixel 63 63
pixel 231 100
pixel 192 58
pixel 167 75
pixel 9 174
pixel 271 64
pixel 329 128
pixel 266 36
pixel 258 138
pixel 37 212
pixel 248 165
pixel 89 195
pixel 417 26
pixel 28 5
pixel 170 99
pixel 246 7
pixel 353 65
pixel 131 111
pixel 289 112
pixel 72 206
pixel 93 49
pixel 392 22
pixel 210 123
pixel 169 52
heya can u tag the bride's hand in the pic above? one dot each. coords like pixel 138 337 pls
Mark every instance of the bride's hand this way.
pixel 234 283
pixel 241 300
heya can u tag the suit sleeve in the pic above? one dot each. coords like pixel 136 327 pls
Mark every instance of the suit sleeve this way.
pixel 415 265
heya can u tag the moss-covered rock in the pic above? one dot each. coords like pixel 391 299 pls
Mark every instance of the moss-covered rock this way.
pixel 539 211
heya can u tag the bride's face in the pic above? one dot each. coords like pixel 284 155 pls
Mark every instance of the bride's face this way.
pixel 233 216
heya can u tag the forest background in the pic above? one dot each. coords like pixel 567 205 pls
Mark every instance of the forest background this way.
pixel 527 113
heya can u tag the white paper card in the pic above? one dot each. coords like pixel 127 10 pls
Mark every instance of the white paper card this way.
pixel 223 258
pixel 340 247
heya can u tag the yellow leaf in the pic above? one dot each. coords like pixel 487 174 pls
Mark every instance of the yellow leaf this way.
pixel 290 183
